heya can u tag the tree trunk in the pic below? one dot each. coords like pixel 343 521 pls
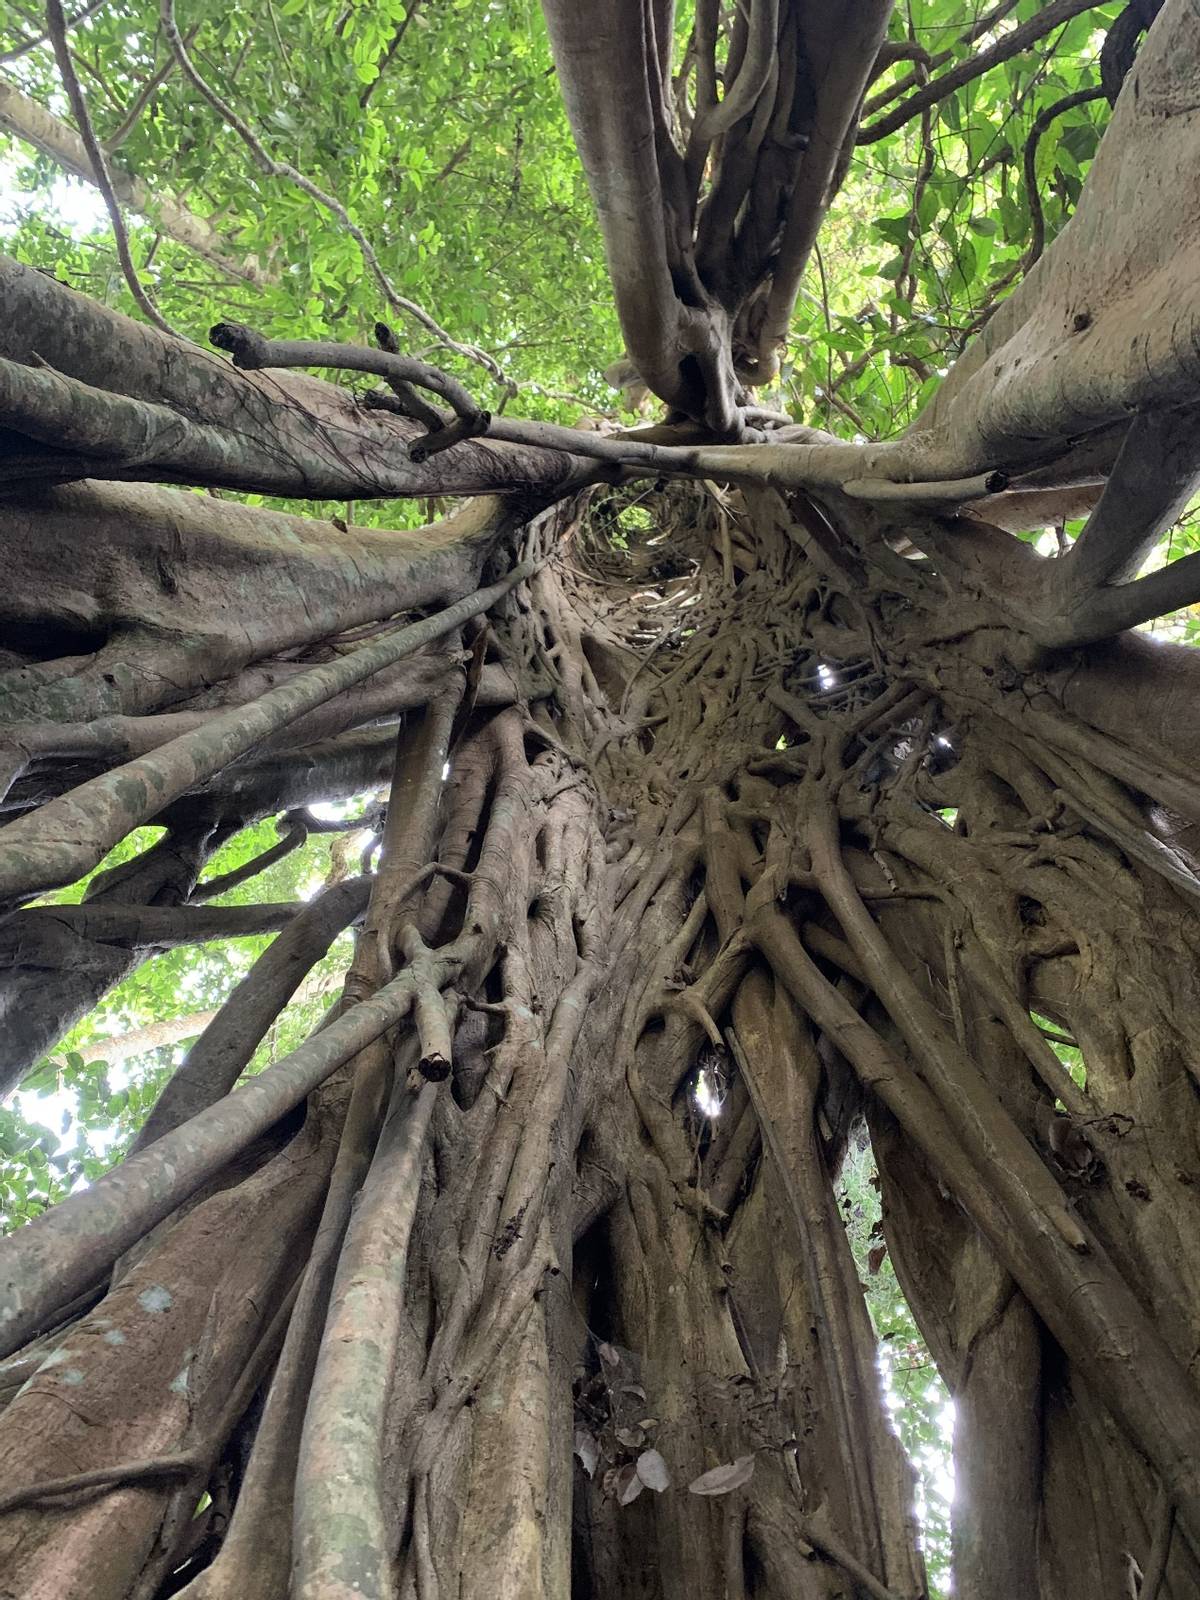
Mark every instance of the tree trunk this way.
pixel 752 815
pixel 819 804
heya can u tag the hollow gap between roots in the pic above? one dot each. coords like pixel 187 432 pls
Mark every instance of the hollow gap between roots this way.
pixel 917 1401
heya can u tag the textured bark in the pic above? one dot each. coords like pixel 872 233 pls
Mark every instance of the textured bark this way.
pixel 628 876
pixel 758 800
pixel 117 399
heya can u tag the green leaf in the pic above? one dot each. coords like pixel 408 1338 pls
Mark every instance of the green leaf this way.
pixel 893 229
pixel 965 266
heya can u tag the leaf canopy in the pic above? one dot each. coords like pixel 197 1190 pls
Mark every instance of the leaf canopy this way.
pixel 439 127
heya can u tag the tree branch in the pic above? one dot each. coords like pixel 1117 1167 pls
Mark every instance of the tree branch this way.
pixel 294 835
pixel 397 40
pixel 143 97
pixel 1154 476
pixel 914 79
pixel 252 352
pixel 70 835
pixel 66 1249
pixel 223 1050
pixel 742 94
pixel 607 66
pixel 72 22
pixel 1111 609
pixel 1041 122
pixel 197 419
pixel 56 24
pixel 850 45
pixel 1155 1569
pixel 938 89
pixel 144 927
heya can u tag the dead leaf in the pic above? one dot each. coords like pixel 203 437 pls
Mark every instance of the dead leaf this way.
pixel 629 1485
pixel 653 1471
pixel 635 1389
pixel 724 1479
pixel 608 1354
pixel 587 1450
pixel 631 1438
pixel 875 1258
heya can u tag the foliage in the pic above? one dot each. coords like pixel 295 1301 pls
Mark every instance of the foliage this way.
pixel 460 169
pixel 934 222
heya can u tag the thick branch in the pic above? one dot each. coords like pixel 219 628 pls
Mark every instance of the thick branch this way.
pixel 218 585
pixel 1154 477
pixel 69 836
pixel 341 1512
pixel 1076 1296
pixel 605 66
pixel 147 927
pixel 67 1249
pixel 1107 323
pixel 845 47
pixel 265 433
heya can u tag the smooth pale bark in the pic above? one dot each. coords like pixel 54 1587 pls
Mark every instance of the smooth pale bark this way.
pixel 194 589
pixel 1106 322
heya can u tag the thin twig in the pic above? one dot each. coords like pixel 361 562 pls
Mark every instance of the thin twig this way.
pixel 1037 240
pixel 143 97
pixel 364 98
pixel 31 44
pixel 1021 38
pixel 283 169
pixel 56 24
pixel 294 836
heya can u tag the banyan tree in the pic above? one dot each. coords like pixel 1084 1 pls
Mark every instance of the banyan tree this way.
pixel 743 782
